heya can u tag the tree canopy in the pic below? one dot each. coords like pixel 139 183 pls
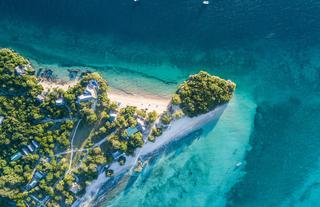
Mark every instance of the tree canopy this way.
pixel 203 92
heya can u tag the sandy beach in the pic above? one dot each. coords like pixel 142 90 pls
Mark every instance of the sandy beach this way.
pixel 176 130
pixel 151 103
pixel 141 101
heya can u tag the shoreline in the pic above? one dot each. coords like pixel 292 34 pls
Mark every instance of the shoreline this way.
pixel 177 130
pixel 140 100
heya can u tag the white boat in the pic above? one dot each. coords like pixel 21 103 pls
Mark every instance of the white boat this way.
pixel 238 164
pixel 206 2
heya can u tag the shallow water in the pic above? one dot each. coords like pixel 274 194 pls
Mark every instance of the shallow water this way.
pixel 269 48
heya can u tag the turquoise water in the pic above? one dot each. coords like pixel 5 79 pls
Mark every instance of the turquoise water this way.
pixel 269 48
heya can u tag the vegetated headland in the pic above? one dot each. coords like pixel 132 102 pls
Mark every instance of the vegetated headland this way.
pixel 60 141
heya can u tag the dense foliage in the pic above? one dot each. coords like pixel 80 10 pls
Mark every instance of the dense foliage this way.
pixel 12 84
pixel 55 127
pixel 203 92
pixel 27 119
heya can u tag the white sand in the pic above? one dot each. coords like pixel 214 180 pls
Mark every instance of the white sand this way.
pixel 176 130
pixel 151 103
pixel 141 101
pixel 180 128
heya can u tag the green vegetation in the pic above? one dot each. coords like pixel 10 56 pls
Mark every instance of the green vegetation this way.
pixel 36 160
pixel 27 120
pixel 203 92
pixel 152 117
pixel 12 84
pixel 166 118
pixel 127 118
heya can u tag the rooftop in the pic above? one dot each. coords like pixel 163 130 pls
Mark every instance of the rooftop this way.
pixel 38 175
pixel 1 119
pixel 75 188
pixel 59 101
pixel 16 156
pixel 130 131
pixel 21 70
pixel 32 184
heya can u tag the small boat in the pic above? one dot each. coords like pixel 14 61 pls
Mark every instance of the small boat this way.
pixel 206 2
pixel 238 164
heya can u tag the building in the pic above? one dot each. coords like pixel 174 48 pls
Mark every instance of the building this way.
pixel 130 131
pixel 141 125
pixel 16 156
pixel 85 98
pixel 32 184
pixel 1 119
pixel 94 83
pixel 38 175
pixel 31 149
pixel 25 151
pixel 112 116
pixel 35 144
pixel 75 188
pixel 60 102
pixel 90 93
pixel 21 70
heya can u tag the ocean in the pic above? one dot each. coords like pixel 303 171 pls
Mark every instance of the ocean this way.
pixel 265 148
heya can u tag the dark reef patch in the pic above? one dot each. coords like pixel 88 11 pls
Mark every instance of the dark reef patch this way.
pixel 279 159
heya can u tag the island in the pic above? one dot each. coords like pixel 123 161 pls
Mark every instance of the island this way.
pixel 56 142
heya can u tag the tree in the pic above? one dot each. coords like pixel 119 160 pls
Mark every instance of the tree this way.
pixel 109 172
pixel 176 99
pixel 166 118
pixel 203 92
pixel 122 160
pixel 152 117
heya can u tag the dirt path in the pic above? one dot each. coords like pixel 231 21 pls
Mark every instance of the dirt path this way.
pixel 72 139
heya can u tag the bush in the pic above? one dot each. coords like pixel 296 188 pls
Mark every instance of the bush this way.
pixel 109 173
pixel 151 138
pixel 122 160
pixel 152 117
pixel 166 118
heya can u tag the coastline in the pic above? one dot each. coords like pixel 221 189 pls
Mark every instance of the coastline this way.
pixel 177 129
pixel 140 100
pixel 132 136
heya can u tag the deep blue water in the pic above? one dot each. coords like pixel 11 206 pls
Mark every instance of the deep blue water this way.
pixel 269 48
